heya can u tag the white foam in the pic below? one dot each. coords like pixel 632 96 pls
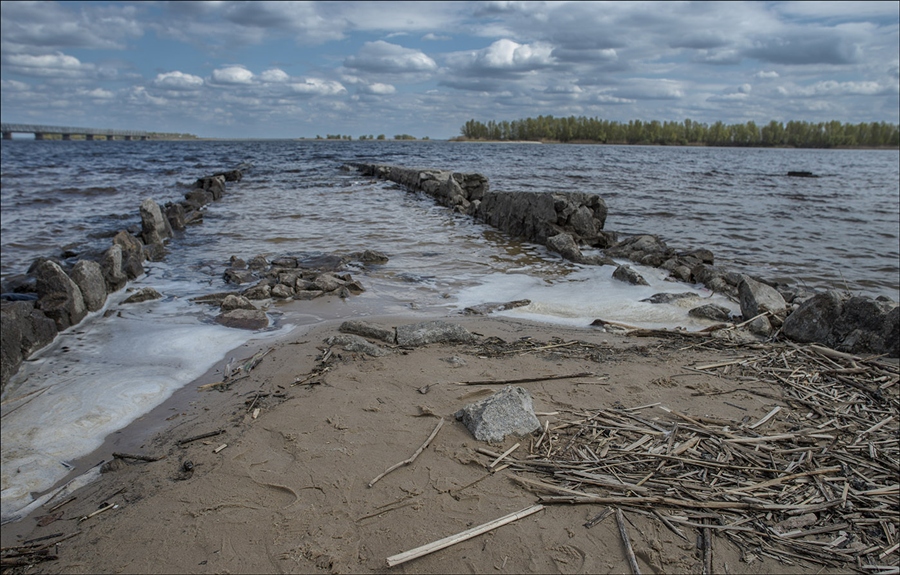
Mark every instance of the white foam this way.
pixel 113 370
pixel 591 293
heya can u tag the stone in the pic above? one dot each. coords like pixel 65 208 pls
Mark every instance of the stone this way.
pixel 197 198
pixel 258 263
pixel 155 229
pixel 142 295
pixel 366 329
pixel 111 266
pixel 670 297
pixel 757 298
pixel 760 326
pixel 132 254
pixel 58 296
pixel 564 244
pixel 88 276
pixel 437 331
pixel 628 275
pixel 814 319
pixel 867 325
pixel 238 276
pixel 307 294
pixel 327 282
pixel 244 319
pixel 215 185
pixel 176 217
pixel 236 302
pixel 282 291
pixel 25 330
pixel 355 343
pixel 261 290
pixel 491 307
pixel 711 311
pixel 510 411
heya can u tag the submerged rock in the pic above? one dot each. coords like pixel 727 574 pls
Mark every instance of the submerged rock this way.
pixel 510 411
pixel 244 319
pixel 628 275
pixel 142 295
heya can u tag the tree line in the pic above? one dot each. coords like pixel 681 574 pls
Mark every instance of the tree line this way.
pixel 795 134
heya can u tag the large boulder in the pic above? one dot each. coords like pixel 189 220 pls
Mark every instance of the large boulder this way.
pixel 88 276
pixel 155 228
pixel 628 275
pixel 25 330
pixel 814 320
pixel 507 412
pixel 366 329
pixel 244 319
pixel 757 298
pixel 58 296
pixel 132 254
pixel 853 324
pixel 111 266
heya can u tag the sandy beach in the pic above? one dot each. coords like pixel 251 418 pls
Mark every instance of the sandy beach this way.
pixel 284 487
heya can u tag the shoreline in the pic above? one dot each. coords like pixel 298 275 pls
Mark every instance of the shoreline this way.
pixel 289 492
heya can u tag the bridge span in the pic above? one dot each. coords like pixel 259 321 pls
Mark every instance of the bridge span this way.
pixel 66 133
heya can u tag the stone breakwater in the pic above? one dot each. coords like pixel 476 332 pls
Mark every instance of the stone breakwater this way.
pixel 565 222
pixel 53 296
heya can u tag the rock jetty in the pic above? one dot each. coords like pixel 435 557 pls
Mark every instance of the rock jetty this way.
pixel 50 298
pixel 565 222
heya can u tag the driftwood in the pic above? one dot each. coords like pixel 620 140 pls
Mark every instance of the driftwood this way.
pixel 148 458
pixel 626 542
pixel 201 436
pixel 525 379
pixel 460 537
pixel 827 450
pixel 414 455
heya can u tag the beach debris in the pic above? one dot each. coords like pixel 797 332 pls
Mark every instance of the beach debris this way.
pixel 526 379
pixel 32 551
pixel 814 479
pixel 395 560
pixel 233 374
pixel 148 458
pixel 413 456
pixel 507 412
pixel 220 448
pixel 201 436
pixel 626 542
pixel 106 506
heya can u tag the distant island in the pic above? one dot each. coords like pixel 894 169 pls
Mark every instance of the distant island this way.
pixel 793 134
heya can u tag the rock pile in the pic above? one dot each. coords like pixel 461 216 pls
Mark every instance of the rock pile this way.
pixel 565 221
pixel 50 299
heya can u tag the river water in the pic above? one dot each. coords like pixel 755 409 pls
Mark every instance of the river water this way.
pixel 838 230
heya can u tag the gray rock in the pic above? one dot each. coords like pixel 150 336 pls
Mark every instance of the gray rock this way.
pixel 327 282
pixel 197 198
pixel 670 297
pixel 867 325
pixel 355 343
pixel 237 276
pixel 261 290
pixel 307 294
pixel 244 319
pixel 419 334
pixel 508 412
pixel 58 296
pixel 132 254
pixel 111 265
pixel 281 291
pixel 142 295
pixel 236 302
pixel 628 275
pixel 488 308
pixel 371 330
pixel 760 326
pixel 25 330
pixel 564 244
pixel 155 229
pixel 814 320
pixel 88 276
pixel 176 217
pixel 757 298
pixel 258 263
pixel 711 311
pixel 215 185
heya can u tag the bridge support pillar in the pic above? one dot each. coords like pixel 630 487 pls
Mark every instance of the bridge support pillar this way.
pixel 67 137
pixel 89 137
pixel 7 135
pixel 38 135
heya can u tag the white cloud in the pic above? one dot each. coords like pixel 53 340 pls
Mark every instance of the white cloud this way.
pixel 97 94
pixel 177 81
pixel 834 88
pixel 504 55
pixel 432 37
pixel 274 76
pixel 318 87
pixel 384 57
pixel 57 64
pixel 232 75
pixel 378 89
pixel 766 74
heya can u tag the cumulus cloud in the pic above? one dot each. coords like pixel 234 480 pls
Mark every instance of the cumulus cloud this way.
pixel 386 58
pixel 57 64
pixel 766 74
pixel 317 87
pixel 274 76
pixel 378 89
pixel 40 26
pixel 177 81
pixel 232 75
pixel 504 56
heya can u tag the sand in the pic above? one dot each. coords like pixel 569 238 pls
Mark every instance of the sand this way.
pixel 289 491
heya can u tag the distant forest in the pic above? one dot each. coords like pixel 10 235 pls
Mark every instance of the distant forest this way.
pixel 795 134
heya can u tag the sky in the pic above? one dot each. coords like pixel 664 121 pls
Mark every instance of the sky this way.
pixel 302 69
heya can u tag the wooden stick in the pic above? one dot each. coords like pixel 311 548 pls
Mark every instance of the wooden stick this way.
pixel 504 454
pixel 138 457
pixel 414 455
pixel 201 436
pixel 629 552
pixel 526 379
pixel 460 537
pixel 768 416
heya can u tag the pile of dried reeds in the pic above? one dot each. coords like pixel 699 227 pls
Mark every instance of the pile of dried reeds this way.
pixel 816 479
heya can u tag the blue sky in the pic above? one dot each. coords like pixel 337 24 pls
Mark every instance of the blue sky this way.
pixel 298 69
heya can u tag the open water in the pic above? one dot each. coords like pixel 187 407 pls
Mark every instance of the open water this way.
pixel 839 230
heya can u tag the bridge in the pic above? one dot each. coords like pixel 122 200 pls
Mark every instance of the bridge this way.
pixel 66 133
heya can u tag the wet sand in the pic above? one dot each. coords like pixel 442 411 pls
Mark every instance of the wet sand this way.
pixel 289 491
